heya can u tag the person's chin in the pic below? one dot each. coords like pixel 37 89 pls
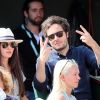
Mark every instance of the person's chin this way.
pixel 76 85
pixel 59 48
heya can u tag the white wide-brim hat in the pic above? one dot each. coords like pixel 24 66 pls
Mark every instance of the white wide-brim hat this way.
pixel 6 35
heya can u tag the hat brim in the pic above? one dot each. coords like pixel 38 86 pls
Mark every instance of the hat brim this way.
pixel 17 41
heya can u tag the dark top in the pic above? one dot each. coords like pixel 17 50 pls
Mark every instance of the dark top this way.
pixel 86 61
pixel 27 54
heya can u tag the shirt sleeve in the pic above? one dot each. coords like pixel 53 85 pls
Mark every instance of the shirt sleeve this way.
pixel 90 58
pixel 43 87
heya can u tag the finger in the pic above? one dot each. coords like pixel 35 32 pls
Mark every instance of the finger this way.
pixel 82 38
pixel 83 29
pixel 41 42
pixel 79 32
pixel 46 42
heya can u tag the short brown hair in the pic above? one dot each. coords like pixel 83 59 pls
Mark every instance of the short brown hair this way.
pixel 27 2
pixel 55 20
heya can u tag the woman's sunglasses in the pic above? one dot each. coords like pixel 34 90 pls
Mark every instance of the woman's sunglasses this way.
pixel 58 34
pixel 6 44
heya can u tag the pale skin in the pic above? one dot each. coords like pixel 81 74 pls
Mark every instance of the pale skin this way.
pixel 61 97
pixel 71 79
pixel 87 39
pixel 5 55
pixel 45 51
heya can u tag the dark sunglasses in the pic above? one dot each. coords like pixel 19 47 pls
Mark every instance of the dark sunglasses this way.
pixel 58 34
pixel 6 44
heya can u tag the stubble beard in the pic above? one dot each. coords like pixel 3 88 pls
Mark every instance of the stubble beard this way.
pixel 61 48
pixel 34 22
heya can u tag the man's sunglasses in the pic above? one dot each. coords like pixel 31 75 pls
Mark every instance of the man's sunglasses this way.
pixel 58 34
pixel 6 44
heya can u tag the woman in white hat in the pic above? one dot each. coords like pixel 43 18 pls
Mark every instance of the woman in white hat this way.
pixel 9 59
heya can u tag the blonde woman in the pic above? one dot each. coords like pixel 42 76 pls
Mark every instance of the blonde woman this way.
pixel 65 79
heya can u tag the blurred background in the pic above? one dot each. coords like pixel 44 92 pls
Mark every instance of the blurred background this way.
pixel 85 12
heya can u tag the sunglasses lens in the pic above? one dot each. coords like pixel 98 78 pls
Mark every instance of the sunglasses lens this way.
pixel 13 45
pixel 51 37
pixel 58 34
pixel 4 44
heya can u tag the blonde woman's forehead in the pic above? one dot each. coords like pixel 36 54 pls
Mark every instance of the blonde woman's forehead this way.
pixel 73 69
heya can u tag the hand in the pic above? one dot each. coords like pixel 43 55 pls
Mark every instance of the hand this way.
pixel 85 36
pixel 44 50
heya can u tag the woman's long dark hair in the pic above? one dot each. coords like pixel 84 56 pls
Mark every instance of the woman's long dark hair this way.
pixel 16 70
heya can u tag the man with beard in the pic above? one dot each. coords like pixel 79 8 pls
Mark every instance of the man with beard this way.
pixel 57 31
pixel 29 32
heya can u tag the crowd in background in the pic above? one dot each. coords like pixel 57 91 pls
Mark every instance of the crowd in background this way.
pixel 38 62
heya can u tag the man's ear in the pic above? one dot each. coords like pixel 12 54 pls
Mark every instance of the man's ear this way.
pixel 25 14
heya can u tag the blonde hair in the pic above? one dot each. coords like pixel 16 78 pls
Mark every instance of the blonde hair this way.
pixel 61 68
pixel 6 79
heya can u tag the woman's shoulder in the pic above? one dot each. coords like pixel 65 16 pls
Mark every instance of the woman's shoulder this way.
pixel 60 96
pixel 64 96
